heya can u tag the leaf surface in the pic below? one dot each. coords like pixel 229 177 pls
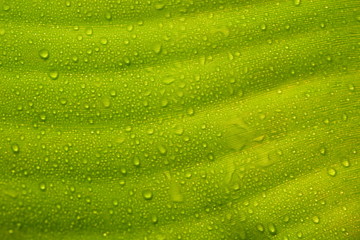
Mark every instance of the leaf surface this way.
pixel 179 119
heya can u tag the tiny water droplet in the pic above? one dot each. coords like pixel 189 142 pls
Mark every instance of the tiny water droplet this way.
pixel 346 163
pixel 54 75
pixel 157 48
pixel 162 149
pixel 42 186
pixel 43 117
pixel 136 162
pixel 89 31
pixel 154 219
pixel 351 87
pixel 44 54
pixel 63 101
pixel 113 93
pixel 122 182
pixel 147 194
pixel 316 219
pixel 322 151
pixel 297 2
pixel 108 16
pixel 103 41
pixel 15 148
pixel 190 111
pixel 332 172
pixel 159 6
pixel 168 80
pixel 272 229
pixel 106 102
pixel 260 227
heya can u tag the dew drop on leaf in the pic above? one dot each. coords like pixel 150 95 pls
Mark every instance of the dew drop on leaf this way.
pixel 332 172
pixel 136 162
pixel 316 219
pixel 346 163
pixel 147 194
pixel 42 186
pixel 15 148
pixel 260 227
pixel 272 228
pixel 297 2
pixel 44 54
pixel 54 74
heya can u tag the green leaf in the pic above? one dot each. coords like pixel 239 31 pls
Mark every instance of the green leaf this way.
pixel 234 119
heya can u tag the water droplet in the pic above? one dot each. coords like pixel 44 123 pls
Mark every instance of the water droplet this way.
pixel 15 148
pixel 332 172
pixel 103 41
pixel 175 192
pixel 263 27
pixel 190 111
pixel 154 219
pixel 106 102
pixel 42 186
pixel 108 16
pixel 297 2
pixel 136 162
pixel 89 31
pixel 316 219
pixel 346 163
pixel 44 54
pixel 43 117
pixel 260 227
pixel 159 6
pixel 157 48
pixel 286 219
pixel 322 151
pixel 54 75
pixel 211 156
pixel 162 149
pixel 113 93
pixel 147 194
pixel 179 131
pixel 168 80
pixel 115 203
pixel 351 87
pixel 63 101
pixel 122 182
pixel 272 229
